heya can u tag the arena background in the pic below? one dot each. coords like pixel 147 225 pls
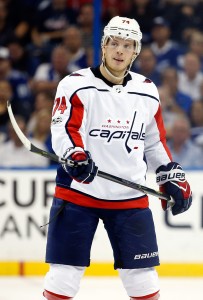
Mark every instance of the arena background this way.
pixel 25 199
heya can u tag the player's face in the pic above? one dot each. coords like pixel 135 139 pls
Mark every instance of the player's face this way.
pixel 118 54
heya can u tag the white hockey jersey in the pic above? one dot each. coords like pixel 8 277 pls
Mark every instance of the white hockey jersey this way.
pixel 120 125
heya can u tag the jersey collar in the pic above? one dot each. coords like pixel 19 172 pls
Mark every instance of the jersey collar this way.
pixel 97 73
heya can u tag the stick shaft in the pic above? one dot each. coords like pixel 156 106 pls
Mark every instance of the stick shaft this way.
pixel 133 185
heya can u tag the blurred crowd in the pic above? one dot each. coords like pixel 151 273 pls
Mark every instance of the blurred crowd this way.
pixel 41 41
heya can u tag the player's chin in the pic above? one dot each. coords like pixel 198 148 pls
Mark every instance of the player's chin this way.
pixel 121 67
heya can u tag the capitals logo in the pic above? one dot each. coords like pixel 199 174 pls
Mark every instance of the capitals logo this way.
pixel 126 133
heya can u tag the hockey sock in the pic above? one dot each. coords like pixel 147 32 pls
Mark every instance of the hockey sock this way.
pixel 154 296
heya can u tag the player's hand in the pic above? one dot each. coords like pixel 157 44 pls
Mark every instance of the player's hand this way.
pixel 84 170
pixel 171 179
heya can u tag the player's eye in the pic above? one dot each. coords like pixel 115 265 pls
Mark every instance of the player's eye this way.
pixel 128 47
pixel 113 44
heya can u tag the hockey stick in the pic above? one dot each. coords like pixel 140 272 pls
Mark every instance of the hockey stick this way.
pixel 101 174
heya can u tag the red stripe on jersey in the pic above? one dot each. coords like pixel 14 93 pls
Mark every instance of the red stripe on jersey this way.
pixel 75 121
pixel 162 131
pixel 89 201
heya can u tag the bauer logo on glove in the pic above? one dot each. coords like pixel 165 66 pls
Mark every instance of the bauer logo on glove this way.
pixel 176 175
pixel 171 179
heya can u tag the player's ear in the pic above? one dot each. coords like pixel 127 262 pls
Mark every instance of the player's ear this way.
pixel 103 50
pixel 134 56
pixel 103 54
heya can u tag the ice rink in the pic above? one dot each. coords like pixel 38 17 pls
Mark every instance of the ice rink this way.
pixel 100 288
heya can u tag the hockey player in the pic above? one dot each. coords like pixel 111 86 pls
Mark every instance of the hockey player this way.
pixel 109 118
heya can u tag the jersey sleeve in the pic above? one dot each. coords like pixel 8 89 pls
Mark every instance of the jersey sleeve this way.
pixel 156 149
pixel 68 121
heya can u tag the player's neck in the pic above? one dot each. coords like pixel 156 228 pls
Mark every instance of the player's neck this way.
pixel 110 77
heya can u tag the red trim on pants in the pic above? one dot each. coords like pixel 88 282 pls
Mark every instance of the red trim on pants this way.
pixel 53 296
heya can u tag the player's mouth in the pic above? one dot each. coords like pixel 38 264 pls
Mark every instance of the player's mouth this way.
pixel 118 60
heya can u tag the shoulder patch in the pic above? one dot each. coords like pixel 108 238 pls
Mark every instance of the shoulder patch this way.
pixel 147 80
pixel 75 74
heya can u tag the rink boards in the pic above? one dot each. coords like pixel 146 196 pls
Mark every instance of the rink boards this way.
pixel 25 199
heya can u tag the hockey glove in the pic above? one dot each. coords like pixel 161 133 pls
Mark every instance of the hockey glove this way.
pixel 171 179
pixel 84 170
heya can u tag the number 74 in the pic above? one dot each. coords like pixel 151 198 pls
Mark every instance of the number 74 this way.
pixel 60 104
